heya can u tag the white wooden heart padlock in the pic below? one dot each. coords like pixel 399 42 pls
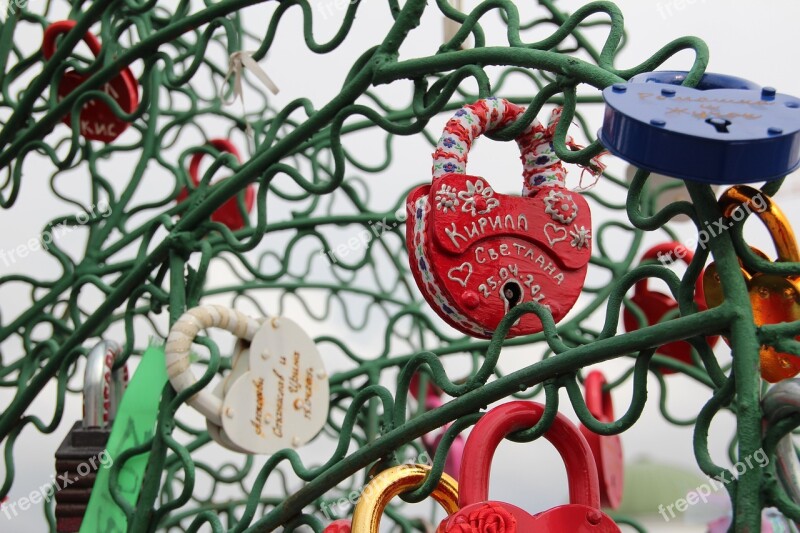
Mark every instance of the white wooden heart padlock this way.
pixel 240 363
pixel 276 394
pixel 282 399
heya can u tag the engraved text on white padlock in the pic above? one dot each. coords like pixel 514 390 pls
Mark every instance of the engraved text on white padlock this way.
pixel 282 400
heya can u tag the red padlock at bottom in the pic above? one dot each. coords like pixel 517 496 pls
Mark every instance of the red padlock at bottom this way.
pixel 228 213
pixel 479 515
pixel 338 526
pixel 97 121
pixel 606 449
pixel 656 305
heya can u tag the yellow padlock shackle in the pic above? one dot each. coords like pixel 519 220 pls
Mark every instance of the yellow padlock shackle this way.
pixel 779 228
pixel 393 482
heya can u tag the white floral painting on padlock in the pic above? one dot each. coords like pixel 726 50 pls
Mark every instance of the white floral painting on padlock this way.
pixel 282 399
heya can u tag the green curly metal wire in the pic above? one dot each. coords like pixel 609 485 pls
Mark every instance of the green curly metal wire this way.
pixel 147 258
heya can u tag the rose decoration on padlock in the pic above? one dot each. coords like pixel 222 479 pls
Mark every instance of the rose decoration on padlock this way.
pixel 228 213
pixel 276 395
pixel 773 298
pixel 97 120
pixel 488 518
pixel 478 514
pixel 606 449
pixel 474 253
pixel 657 305
pixel 393 482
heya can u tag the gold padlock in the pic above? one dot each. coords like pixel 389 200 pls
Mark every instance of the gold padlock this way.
pixel 774 298
pixel 392 482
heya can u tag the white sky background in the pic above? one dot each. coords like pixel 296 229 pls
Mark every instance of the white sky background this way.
pixel 749 39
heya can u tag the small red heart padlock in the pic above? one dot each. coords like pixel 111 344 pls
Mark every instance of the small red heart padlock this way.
pixel 478 515
pixel 657 305
pixel 97 121
pixel 431 389
pixel 455 453
pixel 606 449
pixel 474 253
pixel 228 213
pixel 338 526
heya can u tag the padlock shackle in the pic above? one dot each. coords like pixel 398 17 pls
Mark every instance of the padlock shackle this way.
pixel 393 482
pixel 56 29
pixel 103 386
pixel 541 165
pixel 598 401
pixel 179 345
pixel 772 216
pixel 223 145
pixel 584 487
pixel 673 250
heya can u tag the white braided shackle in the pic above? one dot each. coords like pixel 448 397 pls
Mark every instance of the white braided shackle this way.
pixel 179 344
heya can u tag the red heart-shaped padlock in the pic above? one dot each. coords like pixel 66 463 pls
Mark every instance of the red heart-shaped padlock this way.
pixel 606 449
pixel 338 526
pixel 97 121
pixel 477 514
pixel 474 253
pixel 656 305
pixel 228 213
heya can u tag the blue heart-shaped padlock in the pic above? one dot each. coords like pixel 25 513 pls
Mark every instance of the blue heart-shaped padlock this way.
pixel 724 134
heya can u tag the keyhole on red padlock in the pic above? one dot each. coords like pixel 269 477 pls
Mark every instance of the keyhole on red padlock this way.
pixel 720 124
pixel 512 292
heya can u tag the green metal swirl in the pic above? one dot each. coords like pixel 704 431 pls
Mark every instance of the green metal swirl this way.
pixel 142 258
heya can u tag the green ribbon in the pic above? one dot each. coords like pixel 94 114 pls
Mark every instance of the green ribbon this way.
pixel 132 426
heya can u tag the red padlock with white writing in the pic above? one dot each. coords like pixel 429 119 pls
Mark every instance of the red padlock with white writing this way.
pixel 479 515
pixel 657 305
pixel 97 121
pixel 229 212
pixel 474 253
pixel 606 449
